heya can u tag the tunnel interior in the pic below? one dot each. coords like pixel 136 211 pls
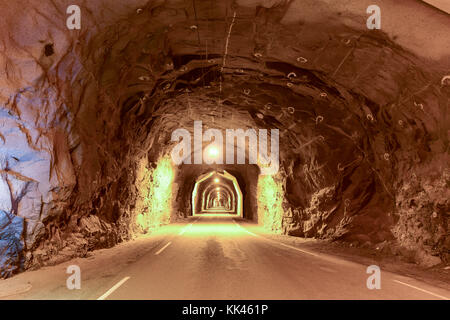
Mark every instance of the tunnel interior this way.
pixel 87 120
pixel 217 193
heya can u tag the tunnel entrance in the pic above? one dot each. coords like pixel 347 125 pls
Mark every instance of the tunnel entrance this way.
pixel 193 183
pixel 217 192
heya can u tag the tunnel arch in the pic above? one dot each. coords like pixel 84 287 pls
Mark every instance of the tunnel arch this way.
pixel 210 189
pixel 222 175
pixel 218 201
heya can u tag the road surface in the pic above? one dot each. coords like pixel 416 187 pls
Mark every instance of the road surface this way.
pixel 215 257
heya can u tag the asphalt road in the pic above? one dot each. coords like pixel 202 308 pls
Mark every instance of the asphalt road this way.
pixel 215 257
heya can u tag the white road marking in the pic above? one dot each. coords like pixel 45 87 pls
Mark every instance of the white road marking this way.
pixel 295 248
pixel 162 249
pixel 117 285
pixel 188 227
pixel 185 229
pixel 114 288
pixel 310 253
pixel 241 227
pixel 277 242
pixel 423 290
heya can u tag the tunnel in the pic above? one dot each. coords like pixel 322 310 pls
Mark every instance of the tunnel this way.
pixel 290 115
pixel 215 192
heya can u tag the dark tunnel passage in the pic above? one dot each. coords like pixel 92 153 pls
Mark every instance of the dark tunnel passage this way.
pixel 239 180
pixel 217 192
pixel 336 132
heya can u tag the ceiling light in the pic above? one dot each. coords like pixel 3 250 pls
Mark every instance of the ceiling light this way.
pixel 213 152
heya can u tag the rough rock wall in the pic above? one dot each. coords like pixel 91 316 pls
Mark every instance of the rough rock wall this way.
pixel 155 187
pixel 62 191
pixel 271 197
pixel 423 210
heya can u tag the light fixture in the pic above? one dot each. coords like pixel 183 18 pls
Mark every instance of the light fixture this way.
pixel 216 180
pixel 213 152
pixel 217 188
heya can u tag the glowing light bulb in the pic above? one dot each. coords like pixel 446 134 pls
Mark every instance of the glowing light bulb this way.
pixel 216 180
pixel 217 188
pixel 213 152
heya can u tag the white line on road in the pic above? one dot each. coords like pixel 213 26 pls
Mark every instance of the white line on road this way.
pixel 277 242
pixel 162 249
pixel 117 285
pixel 249 232
pixel 188 227
pixel 185 229
pixel 295 248
pixel 423 290
pixel 114 288
pixel 316 255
